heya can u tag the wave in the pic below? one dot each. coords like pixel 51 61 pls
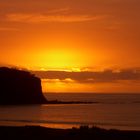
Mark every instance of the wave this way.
pixel 73 123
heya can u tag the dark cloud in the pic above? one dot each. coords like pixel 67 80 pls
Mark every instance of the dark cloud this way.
pixel 93 77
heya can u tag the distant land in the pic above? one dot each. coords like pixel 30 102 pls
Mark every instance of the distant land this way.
pixel 19 87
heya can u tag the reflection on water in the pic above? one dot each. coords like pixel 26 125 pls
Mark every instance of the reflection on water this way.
pixel 120 116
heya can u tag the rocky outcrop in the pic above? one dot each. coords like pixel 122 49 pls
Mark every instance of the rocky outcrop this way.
pixel 20 87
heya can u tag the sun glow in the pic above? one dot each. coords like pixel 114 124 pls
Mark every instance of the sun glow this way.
pixel 61 60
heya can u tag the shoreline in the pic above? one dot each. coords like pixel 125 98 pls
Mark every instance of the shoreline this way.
pixel 84 132
pixel 55 102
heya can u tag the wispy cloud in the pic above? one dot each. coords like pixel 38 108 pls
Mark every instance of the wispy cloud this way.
pixel 59 10
pixel 40 18
pixel 105 76
pixel 8 29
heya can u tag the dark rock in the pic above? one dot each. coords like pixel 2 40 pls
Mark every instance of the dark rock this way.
pixel 20 87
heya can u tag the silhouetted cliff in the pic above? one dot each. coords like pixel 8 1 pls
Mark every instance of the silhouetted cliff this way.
pixel 20 87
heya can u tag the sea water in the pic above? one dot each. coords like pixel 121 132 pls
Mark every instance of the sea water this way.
pixel 111 111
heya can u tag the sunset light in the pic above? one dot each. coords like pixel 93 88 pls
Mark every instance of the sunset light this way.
pixel 72 66
pixel 59 59
pixel 75 37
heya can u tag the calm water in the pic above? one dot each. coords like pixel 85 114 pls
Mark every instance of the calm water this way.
pixel 110 111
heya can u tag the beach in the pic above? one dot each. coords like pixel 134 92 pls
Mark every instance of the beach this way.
pixel 82 133
pixel 110 117
pixel 109 111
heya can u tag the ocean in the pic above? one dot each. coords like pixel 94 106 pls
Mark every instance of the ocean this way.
pixel 110 111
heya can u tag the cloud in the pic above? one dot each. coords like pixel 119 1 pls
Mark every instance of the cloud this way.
pixel 8 29
pixel 59 10
pixel 40 18
pixel 67 80
pixel 105 76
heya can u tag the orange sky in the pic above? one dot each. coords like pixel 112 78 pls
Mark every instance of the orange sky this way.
pixel 75 35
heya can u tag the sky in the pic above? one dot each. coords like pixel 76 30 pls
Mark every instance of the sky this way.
pixel 87 45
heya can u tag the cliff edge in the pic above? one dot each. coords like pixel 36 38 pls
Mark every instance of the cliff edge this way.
pixel 19 87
